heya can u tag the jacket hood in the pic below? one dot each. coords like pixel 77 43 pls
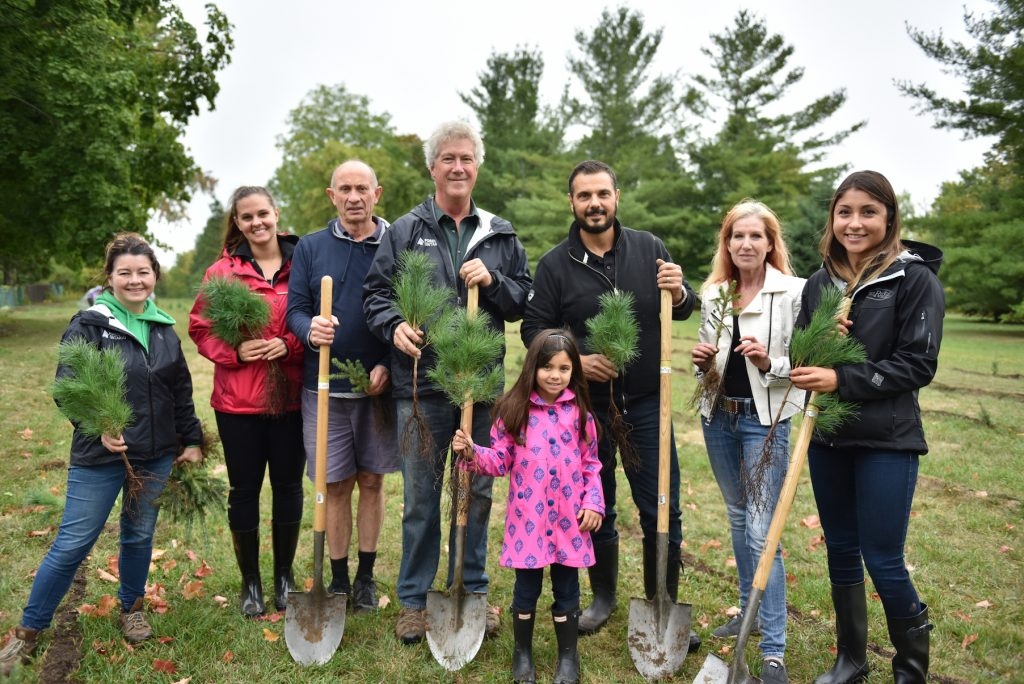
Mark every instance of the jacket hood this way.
pixel 921 251
pixel 285 240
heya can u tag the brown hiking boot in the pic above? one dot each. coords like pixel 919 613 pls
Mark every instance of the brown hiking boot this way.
pixel 134 625
pixel 411 626
pixel 19 649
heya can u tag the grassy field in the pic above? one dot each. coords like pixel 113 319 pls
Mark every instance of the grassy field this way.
pixel 965 545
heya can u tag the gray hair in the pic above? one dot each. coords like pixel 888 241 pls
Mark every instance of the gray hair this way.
pixel 448 131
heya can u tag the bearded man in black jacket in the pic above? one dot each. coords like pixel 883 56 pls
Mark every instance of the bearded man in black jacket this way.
pixel 601 255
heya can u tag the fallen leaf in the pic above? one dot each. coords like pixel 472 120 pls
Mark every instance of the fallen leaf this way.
pixel 192 590
pixel 203 570
pixel 811 522
pixel 186 680
pixel 165 639
pixel 1010 526
pixel 691 506
pixel 732 611
pixel 112 566
pixel 106 606
pixel 790 578
pixel 228 656
pixel 220 601
pixel 271 617
pixel 191 555
pixel 169 565
pixel 815 613
pixel 26 434
pixel 308 583
pixel 41 533
pixel 270 635
pixel 157 554
pixel 26 454
pixel 874 596
pixel 1004 548
pixel 101 647
pixel 981 494
pixel 984 603
pixel 710 544
pixel 910 567
pixel 164 666
pixel 815 542
pixel 383 602
pixel 730 562
pixel 106 576
pixel 963 616
pixel 968 640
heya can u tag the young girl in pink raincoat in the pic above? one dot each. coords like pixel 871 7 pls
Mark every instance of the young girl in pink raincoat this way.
pixel 545 439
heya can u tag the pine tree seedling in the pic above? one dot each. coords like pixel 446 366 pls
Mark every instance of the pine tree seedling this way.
pixel 192 489
pixel 418 300
pixel 354 372
pixel 238 314
pixel 710 383
pixel 92 397
pixel 615 333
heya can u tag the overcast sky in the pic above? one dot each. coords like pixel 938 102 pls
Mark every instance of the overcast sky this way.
pixel 411 58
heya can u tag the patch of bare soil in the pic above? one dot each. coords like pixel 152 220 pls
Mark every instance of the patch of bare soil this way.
pixel 64 654
pixel 1019 396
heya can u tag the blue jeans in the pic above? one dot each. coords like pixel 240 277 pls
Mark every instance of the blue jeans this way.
pixel 92 491
pixel 734 443
pixel 864 500
pixel 422 477
pixel 642 415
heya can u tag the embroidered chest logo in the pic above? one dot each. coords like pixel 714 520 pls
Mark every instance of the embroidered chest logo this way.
pixel 881 295
pixel 427 242
pixel 113 336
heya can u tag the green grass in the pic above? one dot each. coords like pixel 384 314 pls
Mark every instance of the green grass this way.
pixel 965 541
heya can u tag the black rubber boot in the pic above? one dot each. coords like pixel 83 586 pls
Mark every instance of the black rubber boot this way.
pixel 671 579
pixel 247 553
pixel 604 576
pixel 286 539
pixel 851 636
pixel 523 670
pixel 910 637
pixel 566 632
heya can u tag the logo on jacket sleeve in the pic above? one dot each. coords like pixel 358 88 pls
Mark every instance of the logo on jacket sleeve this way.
pixel 529 297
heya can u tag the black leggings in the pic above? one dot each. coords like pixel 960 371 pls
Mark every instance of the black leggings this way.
pixel 251 444
pixel 565 586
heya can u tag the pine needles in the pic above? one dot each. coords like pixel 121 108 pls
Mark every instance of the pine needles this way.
pixel 235 312
pixel 615 333
pixel 418 300
pixel 709 385
pixel 468 351
pixel 92 397
pixel 354 372
pixel 192 489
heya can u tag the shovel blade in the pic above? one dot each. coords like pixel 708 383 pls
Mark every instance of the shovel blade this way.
pixel 456 622
pixel 714 671
pixel 314 624
pixel 659 636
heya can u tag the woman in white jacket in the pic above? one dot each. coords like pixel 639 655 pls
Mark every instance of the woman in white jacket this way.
pixel 749 303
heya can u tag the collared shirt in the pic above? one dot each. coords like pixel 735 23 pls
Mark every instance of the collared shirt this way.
pixel 458 237
pixel 339 231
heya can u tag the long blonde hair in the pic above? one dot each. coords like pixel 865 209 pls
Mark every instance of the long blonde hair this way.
pixel 722 267
pixel 837 261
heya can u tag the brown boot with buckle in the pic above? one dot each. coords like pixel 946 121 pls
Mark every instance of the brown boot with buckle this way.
pixel 19 650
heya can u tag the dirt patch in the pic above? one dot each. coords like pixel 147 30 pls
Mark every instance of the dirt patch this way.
pixel 64 654
pixel 977 390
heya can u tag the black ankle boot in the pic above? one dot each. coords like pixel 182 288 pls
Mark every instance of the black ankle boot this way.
pixel 566 632
pixel 604 576
pixel 851 636
pixel 910 637
pixel 247 553
pixel 286 539
pixel 523 670
pixel 671 579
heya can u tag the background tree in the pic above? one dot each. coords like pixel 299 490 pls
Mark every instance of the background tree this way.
pixel 184 279
pixel 977 219
pixel 628 114
pixel 332 125
pixel 760 150
pixel 94 99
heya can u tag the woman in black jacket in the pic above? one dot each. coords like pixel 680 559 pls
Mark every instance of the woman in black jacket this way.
pixel 864 474
pixel 159 391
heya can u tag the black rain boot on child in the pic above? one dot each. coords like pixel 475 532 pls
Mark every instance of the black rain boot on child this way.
pixel 851 664
pixel 604 576
pixel 523 670
pixel 247 553
pixel 566 634
pixel 286 539
pixel 910 637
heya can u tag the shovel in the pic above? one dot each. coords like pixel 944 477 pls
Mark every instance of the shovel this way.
pixel 715 671
pixel 456 619
pixel 659 628
pixel 315 621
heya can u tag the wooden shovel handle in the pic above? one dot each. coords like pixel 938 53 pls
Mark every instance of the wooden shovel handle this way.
pixel 665 411
pixel 466 423
pixel 323 395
